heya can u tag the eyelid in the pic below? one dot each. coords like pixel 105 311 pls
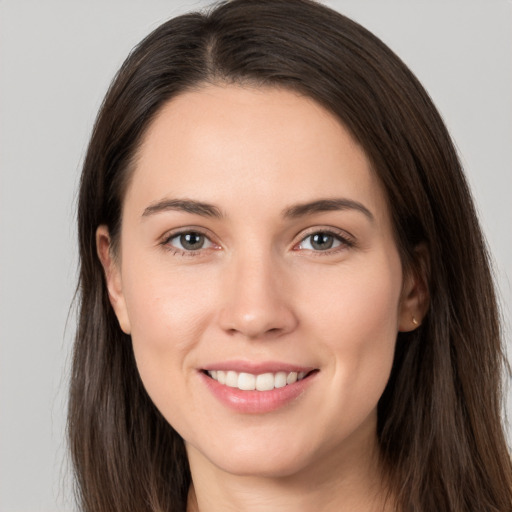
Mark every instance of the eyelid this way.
pixel 174 233
pixel 347 239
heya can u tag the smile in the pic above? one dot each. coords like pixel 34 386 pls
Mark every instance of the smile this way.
pixel 249 382
pixel 257 388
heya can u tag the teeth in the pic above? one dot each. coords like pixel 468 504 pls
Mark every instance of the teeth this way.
pixel 292 377
pixel 249 382
pixel 280 380
pixel 265 382
pixel 232 379
pixel 246 381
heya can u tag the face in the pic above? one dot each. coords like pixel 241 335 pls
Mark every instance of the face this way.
pixel 260 281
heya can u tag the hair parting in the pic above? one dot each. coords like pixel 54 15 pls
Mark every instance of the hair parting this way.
pixel 439 420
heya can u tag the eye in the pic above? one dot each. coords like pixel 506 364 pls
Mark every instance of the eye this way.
pixel 323 241
pixel 189 241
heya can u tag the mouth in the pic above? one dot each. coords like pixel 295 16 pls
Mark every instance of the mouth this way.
pixel 258 387
pixel 257 382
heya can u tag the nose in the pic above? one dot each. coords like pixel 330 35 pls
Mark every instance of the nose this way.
pixel 257 299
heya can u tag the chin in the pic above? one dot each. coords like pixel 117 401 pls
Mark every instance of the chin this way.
pixel 260 466
pixel 267 456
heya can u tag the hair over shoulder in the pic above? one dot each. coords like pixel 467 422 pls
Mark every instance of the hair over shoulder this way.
pixel 439 421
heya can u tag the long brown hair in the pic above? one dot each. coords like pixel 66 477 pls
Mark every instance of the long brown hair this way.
pixel 439 422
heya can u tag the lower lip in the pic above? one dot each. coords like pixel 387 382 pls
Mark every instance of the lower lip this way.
pixel 257 402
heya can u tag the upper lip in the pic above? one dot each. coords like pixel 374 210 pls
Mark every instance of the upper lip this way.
pixel 257 368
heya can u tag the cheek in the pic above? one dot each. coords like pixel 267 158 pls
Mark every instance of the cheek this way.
pixel 362 299
pixel 371 309
pixel 356 324
pixel 168 315
pixel 166 305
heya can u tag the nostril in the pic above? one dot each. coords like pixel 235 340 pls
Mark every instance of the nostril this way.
pixel 257 320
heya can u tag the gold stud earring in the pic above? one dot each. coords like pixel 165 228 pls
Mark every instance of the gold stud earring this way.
pixel 414 321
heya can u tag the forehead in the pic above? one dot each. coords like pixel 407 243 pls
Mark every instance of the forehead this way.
pixel 265 145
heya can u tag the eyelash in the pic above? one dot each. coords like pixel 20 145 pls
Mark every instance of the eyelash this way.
pixel 346 241
pixel 166 243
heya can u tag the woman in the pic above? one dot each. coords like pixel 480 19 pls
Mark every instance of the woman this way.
pixel 286 301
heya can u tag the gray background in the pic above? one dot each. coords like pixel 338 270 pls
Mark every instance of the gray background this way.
pixel 56 61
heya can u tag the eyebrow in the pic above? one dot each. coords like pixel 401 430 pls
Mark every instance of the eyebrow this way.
pixel 295 211
pixel 326 205
pixel 184 205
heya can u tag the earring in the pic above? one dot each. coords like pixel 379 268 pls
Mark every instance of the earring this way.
pixel 414 321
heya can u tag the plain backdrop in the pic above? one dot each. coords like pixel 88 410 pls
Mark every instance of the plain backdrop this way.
pixel 57 58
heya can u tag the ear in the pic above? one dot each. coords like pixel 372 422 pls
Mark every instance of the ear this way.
pixel 113 277
pixel 415 297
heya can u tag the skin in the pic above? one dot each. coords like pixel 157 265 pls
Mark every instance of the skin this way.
pixel 259 291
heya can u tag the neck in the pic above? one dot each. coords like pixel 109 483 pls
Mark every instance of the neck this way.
pixel 341 484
